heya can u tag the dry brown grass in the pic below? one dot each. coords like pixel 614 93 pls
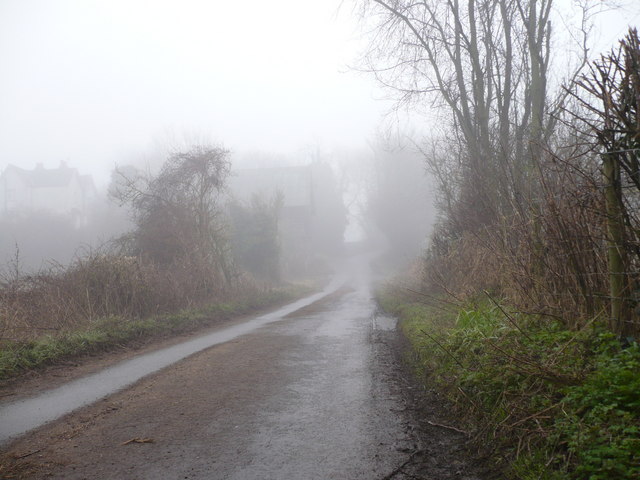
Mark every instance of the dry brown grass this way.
pixel 99 285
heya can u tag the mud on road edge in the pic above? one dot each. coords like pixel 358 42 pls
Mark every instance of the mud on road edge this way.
pixel 442 450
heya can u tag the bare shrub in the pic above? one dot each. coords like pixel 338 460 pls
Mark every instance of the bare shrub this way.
pixel 550 259
pixel 177 212
pixel 177 257
pixel 99 285
pixel 93 286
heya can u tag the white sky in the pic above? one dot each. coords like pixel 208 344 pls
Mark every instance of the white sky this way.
pixel 94 82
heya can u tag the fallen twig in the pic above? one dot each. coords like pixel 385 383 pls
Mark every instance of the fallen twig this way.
pixel 535 415
pixel 399 468
pixel 138 440
pixel 19 457
pixel 448 427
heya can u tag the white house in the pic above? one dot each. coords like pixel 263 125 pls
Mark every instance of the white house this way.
pixel 60 191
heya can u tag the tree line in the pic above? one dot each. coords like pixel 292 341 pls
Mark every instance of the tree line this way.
pixel 537 178
pixel 189 242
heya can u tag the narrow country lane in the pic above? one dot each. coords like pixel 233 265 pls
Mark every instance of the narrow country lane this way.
pixel 311 396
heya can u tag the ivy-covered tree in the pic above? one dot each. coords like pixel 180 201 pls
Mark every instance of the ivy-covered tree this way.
pixel 255 237
pixel 177 212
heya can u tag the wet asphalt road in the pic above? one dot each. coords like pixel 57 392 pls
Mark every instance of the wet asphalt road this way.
pixel 310 396
pixel 19 417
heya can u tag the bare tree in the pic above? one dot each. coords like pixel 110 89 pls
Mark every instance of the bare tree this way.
pixel 487 62
pixel 177 212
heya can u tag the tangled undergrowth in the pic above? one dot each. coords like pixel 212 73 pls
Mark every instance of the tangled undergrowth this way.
pixel 551 403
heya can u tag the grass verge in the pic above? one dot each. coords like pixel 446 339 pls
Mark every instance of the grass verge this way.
pixel 548 402
pixel 112 332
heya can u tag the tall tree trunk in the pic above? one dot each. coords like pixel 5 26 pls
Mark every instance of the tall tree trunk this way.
pixel 615 242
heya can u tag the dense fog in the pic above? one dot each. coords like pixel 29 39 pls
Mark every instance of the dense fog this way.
pixel 294 210
pixel 96 94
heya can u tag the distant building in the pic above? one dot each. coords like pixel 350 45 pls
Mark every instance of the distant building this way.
pixel 313 216
pixel 60 191
pixel 295 184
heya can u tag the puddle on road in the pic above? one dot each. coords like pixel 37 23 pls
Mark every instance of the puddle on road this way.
pixel 21 416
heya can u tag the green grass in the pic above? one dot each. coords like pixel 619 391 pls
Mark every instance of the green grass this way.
pixel 551 403
pixel 109 333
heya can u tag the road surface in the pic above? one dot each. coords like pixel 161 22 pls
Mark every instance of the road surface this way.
pixel 316 394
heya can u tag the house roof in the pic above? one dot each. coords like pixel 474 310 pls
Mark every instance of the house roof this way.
pixel 41 177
